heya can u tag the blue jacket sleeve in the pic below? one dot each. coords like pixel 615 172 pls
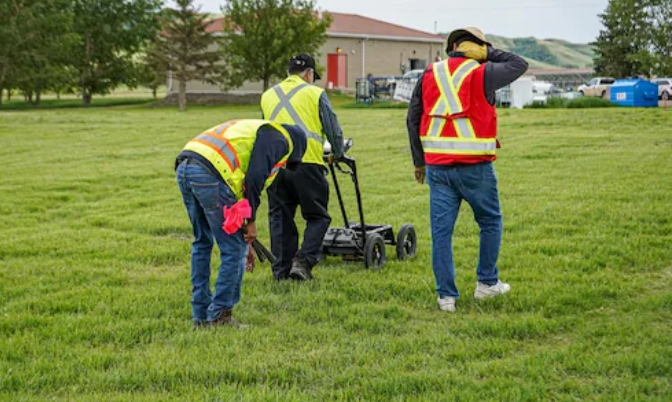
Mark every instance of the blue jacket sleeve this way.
pixel 331 126
pixel 269 148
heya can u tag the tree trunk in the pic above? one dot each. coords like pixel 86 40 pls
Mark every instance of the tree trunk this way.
pixel 266 80
pixel 154 92
pixel 182 100
pixel 58 95
pixel 37 97
pixel 86 97
pixel 29 97
pixel 1 96
pixel 9 94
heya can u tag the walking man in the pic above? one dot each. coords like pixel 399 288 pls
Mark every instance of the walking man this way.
pixel 452 128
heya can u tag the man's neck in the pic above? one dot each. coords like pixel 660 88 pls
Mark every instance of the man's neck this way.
pixel 298 76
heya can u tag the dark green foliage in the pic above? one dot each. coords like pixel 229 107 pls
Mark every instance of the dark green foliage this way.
pixel 185 49
pixel 261 35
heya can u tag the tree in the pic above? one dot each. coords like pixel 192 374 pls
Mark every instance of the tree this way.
pixel 12 13
pixel 636 39
pixel 186 49
pixel 150 71
pixel 621 46
pixel 46 27
pixel 661 36
pixel 111 32
pixel 261 35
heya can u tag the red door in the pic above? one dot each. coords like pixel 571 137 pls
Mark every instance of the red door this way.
pixel 337 67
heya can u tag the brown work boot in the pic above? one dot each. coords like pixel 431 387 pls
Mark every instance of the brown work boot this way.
pixel 225 318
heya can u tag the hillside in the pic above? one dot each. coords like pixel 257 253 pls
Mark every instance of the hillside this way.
pixel 546 53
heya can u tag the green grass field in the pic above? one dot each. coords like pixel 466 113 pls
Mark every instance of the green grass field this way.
pixel 94 277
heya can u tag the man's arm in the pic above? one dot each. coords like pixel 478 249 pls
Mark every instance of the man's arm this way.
pixel 269 148
pixel 331 126
pixel 502 69
pixel 413 124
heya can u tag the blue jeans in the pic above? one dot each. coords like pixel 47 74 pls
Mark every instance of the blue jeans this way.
pixel 204 196
pixel 476 184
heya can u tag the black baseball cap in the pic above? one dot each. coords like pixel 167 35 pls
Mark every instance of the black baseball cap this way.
pixel 303 61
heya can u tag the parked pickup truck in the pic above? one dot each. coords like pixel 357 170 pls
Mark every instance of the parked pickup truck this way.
pixel 596 87
pixel 664 88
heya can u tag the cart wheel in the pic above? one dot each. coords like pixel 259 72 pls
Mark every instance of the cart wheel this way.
pixel 374 251
pixel 407 242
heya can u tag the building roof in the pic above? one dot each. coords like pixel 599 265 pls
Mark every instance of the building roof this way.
pixel 354 25
pixel 358 26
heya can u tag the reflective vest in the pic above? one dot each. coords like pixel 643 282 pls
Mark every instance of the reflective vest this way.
pixel 458 125
pixel 228 147
pixel 294 101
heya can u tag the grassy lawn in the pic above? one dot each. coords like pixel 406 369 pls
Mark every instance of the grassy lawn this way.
pixel 94 270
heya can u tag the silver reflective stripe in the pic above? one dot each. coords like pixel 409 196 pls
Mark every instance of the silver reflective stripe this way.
pixel 464 68
pixel 275 169
pixel 437 126
pixel 451 92
pixel 220 129
pixel 222 146
pixel 447 90
pixel 460 145
pixel 285 104
pixel 463 127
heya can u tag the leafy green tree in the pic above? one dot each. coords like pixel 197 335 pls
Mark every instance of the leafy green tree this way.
pixel 636 39
pixel 111 32
pixel 46 27
pixel 12 13
pixel 149 74
pixel 621 46
pixel 185 49
pixel 661 36
pixel 261 35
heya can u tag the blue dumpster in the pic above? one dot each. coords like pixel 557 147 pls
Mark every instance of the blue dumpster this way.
pixel 634 92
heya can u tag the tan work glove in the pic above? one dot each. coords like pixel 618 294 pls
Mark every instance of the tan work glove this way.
pixel 419 174
pixel 474 51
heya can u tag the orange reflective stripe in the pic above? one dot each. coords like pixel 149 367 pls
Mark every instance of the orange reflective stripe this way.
pixel 219 151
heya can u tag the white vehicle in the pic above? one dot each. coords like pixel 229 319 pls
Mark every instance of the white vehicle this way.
pixel 413 75
pixel 542 87
pixel 596 87
pixel 664 88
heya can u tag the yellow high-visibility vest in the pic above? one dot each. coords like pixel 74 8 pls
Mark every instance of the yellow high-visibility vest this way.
pixel 296 102
pixel 228 147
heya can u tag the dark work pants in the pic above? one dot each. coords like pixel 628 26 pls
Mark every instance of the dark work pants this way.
pixel 307 187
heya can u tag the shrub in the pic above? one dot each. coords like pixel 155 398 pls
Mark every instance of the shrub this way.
pixel 578 103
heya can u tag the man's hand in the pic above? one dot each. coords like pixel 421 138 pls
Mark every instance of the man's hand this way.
pixel 250 262
pixel 419 174
pixel 250 230
pixel 331 159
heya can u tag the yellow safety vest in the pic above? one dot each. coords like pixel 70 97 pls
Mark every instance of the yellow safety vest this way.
pixel 294 101
pixel 228 147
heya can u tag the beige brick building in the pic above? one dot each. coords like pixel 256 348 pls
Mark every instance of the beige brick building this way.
pixel 356 47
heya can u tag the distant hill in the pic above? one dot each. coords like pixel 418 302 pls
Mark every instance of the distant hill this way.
pixel 546 53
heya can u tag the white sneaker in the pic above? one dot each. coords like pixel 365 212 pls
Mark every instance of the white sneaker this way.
pixel 446 303
pixel 484 291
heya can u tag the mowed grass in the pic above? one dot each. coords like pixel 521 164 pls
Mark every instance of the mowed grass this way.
pixel 94 277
